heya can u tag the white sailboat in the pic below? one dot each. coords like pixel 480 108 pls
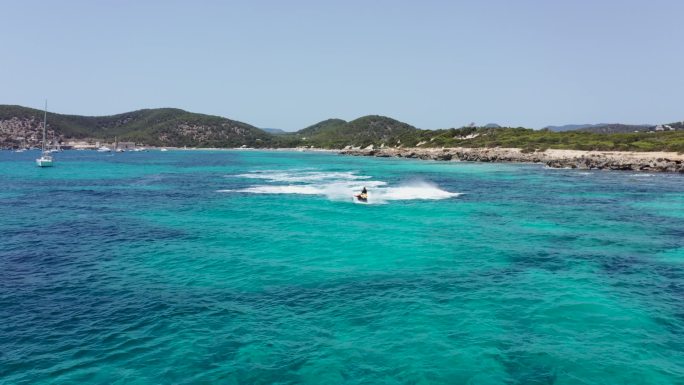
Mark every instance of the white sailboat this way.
pixel 45 159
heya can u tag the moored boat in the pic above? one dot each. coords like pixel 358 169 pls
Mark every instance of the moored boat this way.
pixel 45 159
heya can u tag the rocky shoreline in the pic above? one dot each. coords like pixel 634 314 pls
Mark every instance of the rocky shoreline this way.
pixel 599 160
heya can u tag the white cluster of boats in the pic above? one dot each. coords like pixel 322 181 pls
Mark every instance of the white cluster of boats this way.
pixel 137 149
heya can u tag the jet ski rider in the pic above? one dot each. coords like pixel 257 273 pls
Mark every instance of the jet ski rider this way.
pixel 364 194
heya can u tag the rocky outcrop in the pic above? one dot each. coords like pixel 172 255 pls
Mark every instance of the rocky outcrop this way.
pixel 600 160
pixel 24 132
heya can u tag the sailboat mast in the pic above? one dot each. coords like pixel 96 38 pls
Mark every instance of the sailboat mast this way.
pixel 45 125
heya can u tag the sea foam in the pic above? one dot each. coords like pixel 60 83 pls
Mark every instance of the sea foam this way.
pixel 338 186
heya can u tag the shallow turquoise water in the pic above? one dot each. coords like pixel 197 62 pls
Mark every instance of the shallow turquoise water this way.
pixel 250 267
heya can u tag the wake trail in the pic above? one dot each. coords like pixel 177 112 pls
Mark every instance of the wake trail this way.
pixel 339 186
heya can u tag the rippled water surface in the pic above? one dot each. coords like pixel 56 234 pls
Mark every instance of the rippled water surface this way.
pixel 245 267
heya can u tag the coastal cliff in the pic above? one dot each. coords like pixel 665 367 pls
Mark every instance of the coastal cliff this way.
pixel 600 160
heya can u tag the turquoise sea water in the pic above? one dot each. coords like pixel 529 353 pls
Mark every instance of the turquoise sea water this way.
pixel 246 267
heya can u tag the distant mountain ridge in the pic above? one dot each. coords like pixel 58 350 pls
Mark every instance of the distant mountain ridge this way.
pixel 570 127
pixel 617 128
pixel 274 131
pixel 21 127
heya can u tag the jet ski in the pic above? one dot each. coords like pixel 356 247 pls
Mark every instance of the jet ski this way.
pixel 362 197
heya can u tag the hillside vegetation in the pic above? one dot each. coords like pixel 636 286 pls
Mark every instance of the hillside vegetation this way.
pixel 157 127
pixel 603 128
pixel 372 129
pixel 529 139
pixel 617 128
pixel 175 127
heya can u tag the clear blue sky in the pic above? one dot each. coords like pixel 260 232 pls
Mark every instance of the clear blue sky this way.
pixel 289 64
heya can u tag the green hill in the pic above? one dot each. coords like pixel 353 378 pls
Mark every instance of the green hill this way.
pixel 371 129
pixel 328 125
pixel 175 127
pixel 158 127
